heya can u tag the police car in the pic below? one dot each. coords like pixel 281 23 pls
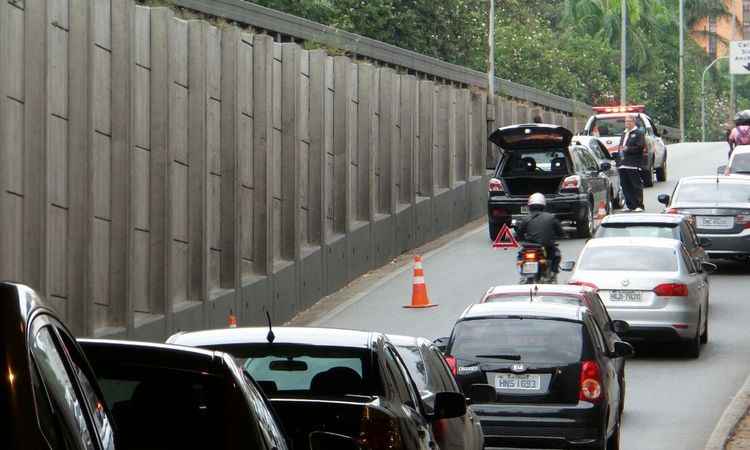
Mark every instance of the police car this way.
pixel 608 124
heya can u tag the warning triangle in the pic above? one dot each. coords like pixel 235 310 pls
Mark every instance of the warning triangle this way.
pixel 505 239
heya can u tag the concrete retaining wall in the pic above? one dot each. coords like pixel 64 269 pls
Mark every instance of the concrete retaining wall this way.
pixel 157 173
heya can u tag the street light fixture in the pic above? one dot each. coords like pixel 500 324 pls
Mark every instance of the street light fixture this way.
pixel 703 96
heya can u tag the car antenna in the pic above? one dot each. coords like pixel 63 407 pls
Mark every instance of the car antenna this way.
pixel 531 295
pixel 270 336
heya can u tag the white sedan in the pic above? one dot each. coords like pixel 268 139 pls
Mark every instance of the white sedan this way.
pixel 650 283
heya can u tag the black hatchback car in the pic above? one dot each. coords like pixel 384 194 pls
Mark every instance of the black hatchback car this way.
pixel 556 382
pixel 540 158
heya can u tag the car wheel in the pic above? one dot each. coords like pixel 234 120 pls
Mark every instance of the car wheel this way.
pixel 494 231
pixel 613 443
pixel 661 172
pixel 585 226
pixel 693 349
pixel 648 177
pixel 704 335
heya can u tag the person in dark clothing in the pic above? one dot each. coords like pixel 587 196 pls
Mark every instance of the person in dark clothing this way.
pixel 537 118
pixel 630 167
pixel 541 228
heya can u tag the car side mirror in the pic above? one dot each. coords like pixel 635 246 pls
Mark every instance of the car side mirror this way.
pixel 482 394
pixel 663 199
pixel 705 242
pixel 605 166
pixel 323 440
pixel 623 350
pixel 620 326
pixel 721 170
pixel 441 343
pixel 567 266
pixel 448 405
pixel 708 267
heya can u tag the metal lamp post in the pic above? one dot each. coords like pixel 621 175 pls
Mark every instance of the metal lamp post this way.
pixel 624 54
pixel 682 70
pixel 703 96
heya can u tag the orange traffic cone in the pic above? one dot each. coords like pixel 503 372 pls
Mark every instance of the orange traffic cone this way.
pixel 232 320
pixel 419 297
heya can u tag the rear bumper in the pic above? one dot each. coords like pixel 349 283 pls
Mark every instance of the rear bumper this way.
pixel 658 325
pixel 565 207
pixel 727 245
pixel 541 426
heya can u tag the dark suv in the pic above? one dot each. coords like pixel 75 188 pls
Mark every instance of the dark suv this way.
pixel 556 382
pixel 539 158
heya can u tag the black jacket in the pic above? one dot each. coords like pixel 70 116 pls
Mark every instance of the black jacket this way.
pixel 540 228
pixel 632 150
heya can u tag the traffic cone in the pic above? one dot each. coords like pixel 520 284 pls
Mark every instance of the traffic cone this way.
pixel 419 297
pixel 232 320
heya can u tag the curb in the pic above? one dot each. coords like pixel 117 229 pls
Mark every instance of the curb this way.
pixel 732 415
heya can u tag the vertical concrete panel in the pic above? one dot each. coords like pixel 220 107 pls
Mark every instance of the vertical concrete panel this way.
pixel 290 173
pixel 245 137
pixel 58 252
pixel 11 236
pixel 140 193
pixel 100 273
pixel 57 71
pixel 312 269
pixel 213 136
pixel 247 216
pixel 365 149
pixel 427 115
pixel 14 69
pixel 463 106
pixel 407 150
pixel 102 90
pixel 445 134
pixel 102 23
pixel 479 127
pixel 262 147
pixel 57 161
pixel 388 151
pixel 141 107
pixel 139 279
pixel 342 143
pixel 11 152
pixel 142 31
pixel 101 156
pixel 277 153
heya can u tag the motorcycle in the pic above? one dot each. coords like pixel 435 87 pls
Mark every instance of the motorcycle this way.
pixel 534 265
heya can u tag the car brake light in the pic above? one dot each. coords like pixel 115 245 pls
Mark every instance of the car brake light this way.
pixel 584 283
pixel 495 185
pixel 743 219
pixel 452 364
pixel 591 382
pixel 571 183
pixel 671 290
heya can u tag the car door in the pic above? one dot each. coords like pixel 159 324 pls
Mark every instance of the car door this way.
pixel 595 182
pixel 697 285
pixel 604 156
pixel 690 239
pixel 602 318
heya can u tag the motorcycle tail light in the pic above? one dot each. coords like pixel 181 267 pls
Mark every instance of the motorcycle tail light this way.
pixel 530 256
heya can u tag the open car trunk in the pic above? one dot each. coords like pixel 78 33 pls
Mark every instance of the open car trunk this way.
pixel 525 186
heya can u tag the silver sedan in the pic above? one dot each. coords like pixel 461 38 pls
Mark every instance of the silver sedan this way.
pixel 650 283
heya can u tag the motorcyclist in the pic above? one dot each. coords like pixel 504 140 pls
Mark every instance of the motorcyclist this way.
pixel 541 228
pixel 740 134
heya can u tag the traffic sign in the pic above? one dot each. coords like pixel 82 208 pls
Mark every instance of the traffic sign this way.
pixel 505 239
pixel 739 57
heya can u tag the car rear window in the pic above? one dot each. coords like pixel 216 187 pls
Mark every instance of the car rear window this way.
pixel 741 163
pixel 667 230
pixel 307 369
pixel 635 258
pixel 539 162
pixel 713 193
pixel 520 339
pixel 557 299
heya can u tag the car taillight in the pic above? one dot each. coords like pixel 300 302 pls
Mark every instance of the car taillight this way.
pixel 671 290
pixel 571 183
pixel 591 382
pixel 584 283
pixel 452 364
pixel 742 219
pixel 672 211
pixel 495 185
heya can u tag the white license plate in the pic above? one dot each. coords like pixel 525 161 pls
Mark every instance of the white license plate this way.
pixel 512 381
pixel 530 267
pixel 524 210
pixel 625 296
pixel 715 223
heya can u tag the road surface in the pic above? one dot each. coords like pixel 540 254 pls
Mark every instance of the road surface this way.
pixel 672 402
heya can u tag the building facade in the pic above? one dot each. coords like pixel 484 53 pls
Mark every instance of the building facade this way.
pixel 714 34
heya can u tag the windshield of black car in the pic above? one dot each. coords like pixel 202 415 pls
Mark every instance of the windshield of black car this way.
pixel 307 369
pixel 629 258
pixel 740 163
pixel 712 192
pixel 536 162
pixel 666 230
pixel 528 339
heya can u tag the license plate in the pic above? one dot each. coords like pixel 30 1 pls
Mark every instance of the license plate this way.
pixel 715 223
pixel 625 296
pixel 524 210
pixel 530 267
pixel 511 381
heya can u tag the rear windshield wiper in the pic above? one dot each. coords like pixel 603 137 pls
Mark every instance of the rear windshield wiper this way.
pixel 509 357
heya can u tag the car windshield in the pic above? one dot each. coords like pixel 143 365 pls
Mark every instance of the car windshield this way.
pixel 713 192
pixel 667 230
pixel 629 258
pixel 527 340
pixel 536 162
pixel 307 369
pixel 740 163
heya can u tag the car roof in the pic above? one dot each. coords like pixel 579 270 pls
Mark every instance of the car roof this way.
pixel 175 356
pixel 741 149
pixel 545 310
pixel 539 289
pixel 643 218
pixel 714 178
pixel 633 241
pixel 333 337
pixel 407 341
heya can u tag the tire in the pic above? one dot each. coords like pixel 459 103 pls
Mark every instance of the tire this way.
pixel 494 231
pixel 585 227
pixel 661 172
pixel 704 335
pixel 613 443
pixel 693 348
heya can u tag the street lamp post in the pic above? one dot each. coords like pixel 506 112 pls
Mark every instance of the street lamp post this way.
pixel 703 96
pixel 624 54
pixel 682 70
pixel 491 53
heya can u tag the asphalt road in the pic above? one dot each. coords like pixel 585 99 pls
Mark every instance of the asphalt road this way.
pixel 672 402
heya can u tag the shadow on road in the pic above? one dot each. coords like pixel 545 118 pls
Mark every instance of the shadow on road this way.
pixel 732 268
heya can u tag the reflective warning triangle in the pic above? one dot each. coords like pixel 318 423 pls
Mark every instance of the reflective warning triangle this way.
pixel 505 239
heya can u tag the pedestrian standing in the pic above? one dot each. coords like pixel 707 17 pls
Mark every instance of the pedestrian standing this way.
pixel 632 144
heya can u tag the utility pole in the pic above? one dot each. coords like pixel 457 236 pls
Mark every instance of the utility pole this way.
pixel 491 55
pixel 682 70
pixel 624 54
pixel 732 93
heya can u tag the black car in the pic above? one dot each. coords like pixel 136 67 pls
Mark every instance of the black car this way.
pixel 168 398
pixel 602 155
pixel 539 158
pixel 432 374
pixel 555 377
pixel 350 383
pixel 49 397
pixel 719 207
